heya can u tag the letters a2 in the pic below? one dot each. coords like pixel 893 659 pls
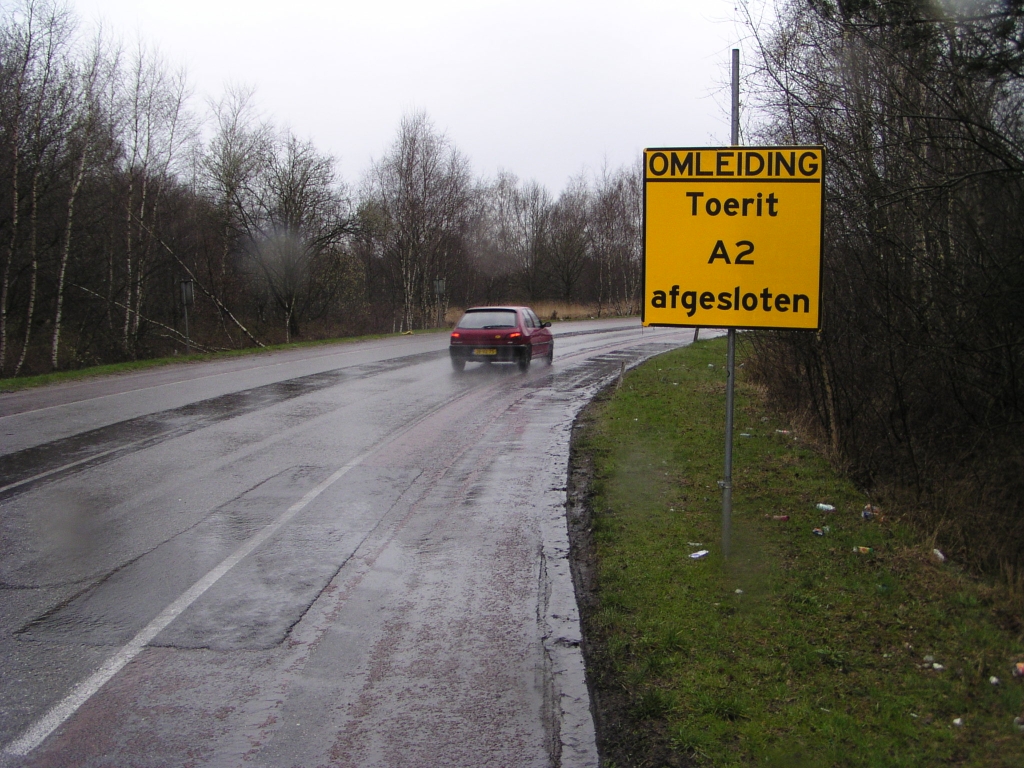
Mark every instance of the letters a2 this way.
pixel 719 252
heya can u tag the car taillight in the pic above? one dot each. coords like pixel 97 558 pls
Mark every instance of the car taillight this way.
pixel 455 335
pixel 515 335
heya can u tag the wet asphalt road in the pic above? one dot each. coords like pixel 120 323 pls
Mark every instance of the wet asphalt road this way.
pixel 344 556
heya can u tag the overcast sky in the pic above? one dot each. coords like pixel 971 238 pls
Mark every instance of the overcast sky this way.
pixel 545 89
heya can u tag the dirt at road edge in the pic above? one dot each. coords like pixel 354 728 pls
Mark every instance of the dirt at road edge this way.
pixel 622 741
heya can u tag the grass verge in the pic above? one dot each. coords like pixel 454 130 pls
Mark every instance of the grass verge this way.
pixel 797 650
pixel 110 369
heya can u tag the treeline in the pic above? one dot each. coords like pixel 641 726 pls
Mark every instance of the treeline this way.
pixel 917 376
pixel 114 188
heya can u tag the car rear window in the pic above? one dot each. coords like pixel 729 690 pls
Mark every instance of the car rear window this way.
pixel 489 318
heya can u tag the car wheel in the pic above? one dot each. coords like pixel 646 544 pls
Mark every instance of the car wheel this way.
pixel 458 364
pixel 550 358
pixel 524 360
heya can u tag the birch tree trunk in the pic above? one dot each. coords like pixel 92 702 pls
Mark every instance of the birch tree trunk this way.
pixel 34 269
pixel 65 250
pixel 15 132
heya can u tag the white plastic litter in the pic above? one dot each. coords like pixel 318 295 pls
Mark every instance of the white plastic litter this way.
pixel 699 554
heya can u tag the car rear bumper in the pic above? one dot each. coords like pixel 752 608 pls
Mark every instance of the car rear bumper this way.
pixel 473 353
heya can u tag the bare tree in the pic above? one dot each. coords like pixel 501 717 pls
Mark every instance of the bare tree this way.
pixel 921 109
pixel 295 229
pixel 107 198
pixel 156 129
pixel 570 237
pixel 85 144
pixel 49 97
pixel 524 219
pixel 616 216
pixel 36 36
pixel 421 191
pixel 240 149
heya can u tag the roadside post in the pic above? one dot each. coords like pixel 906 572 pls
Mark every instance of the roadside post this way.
pixel 187 298
pixel 439 292
pixel 730 358
pixel 733 239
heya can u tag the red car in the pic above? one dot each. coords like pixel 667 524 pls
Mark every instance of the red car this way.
pixel 500 335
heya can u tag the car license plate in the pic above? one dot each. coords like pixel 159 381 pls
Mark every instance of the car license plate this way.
pixel 485 351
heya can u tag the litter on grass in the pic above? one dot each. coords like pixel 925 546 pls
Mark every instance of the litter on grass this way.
pixel 870 511
pixel 779 518
pixel 994 680
pixel 826 508
pixel 817 531
pixel 782 431
pixel 698 555
pixel 864 550
pixel 959 722
pixel 1018 669
pixel 939 556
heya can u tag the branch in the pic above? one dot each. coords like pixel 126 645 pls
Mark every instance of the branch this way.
pixel 211 296
pixel 176 334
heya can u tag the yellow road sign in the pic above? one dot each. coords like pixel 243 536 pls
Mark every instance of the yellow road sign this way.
pixel 733 237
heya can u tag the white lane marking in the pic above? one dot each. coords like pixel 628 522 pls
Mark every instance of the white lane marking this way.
pixel 82 692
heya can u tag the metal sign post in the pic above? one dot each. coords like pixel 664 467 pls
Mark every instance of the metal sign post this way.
pixel 439 293
pixel 187 297
pixel 730 376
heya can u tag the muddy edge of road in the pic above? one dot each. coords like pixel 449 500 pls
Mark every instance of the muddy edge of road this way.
pixel 616 739
pixel 620 739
